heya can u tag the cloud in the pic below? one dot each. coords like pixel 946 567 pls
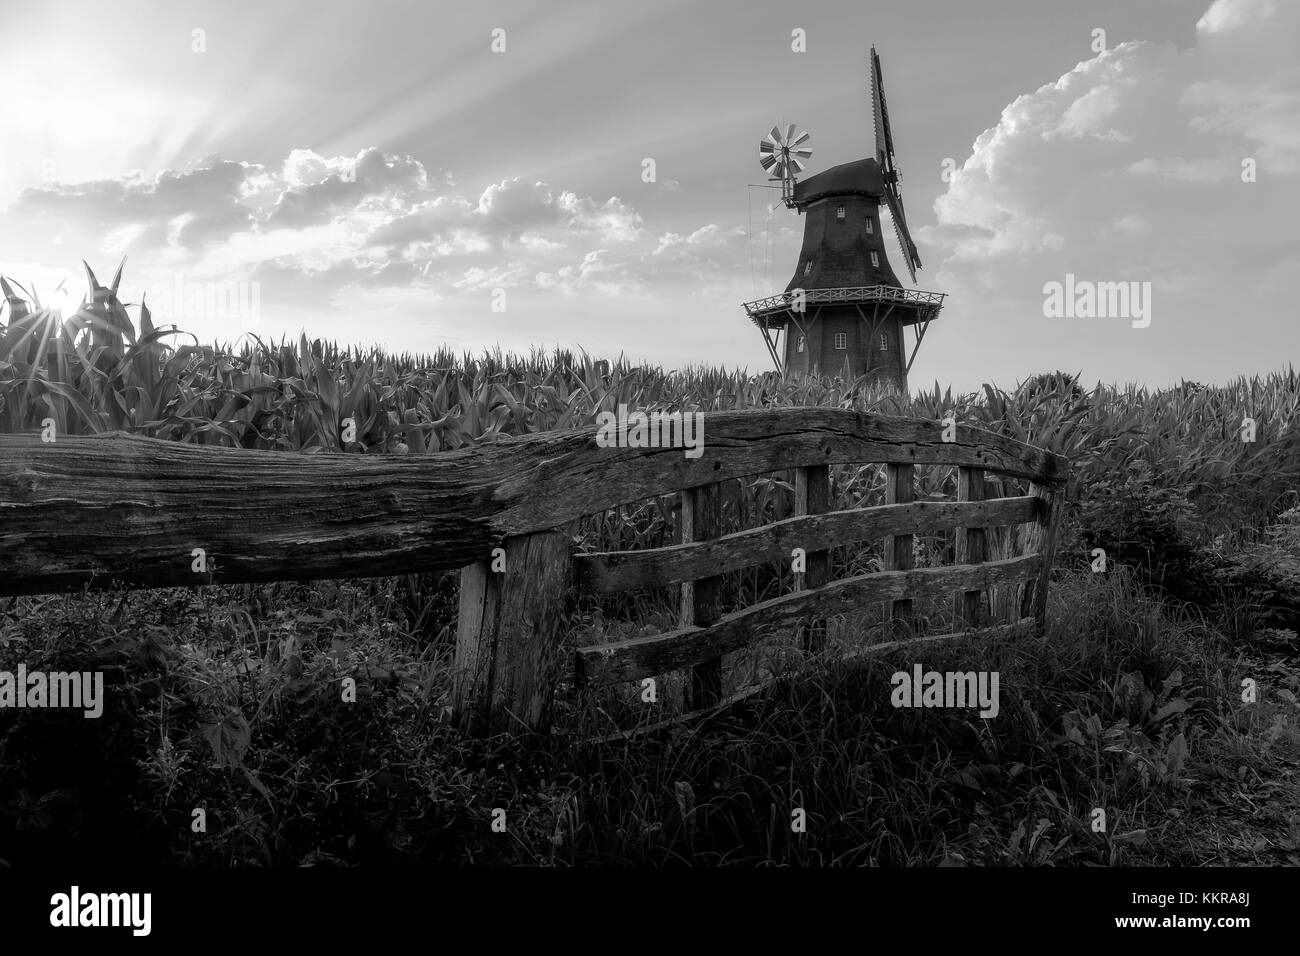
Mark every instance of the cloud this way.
pixel 317 188
pixel 514 205
pixel 324 230
pixel 595 271
pixel 1177 168
pixel 612 221
pixel 710 247
pixel 1142 140
pixel 1229 16
pixel 208 195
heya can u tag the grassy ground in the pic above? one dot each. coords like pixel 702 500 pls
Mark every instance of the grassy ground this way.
pixel 229 700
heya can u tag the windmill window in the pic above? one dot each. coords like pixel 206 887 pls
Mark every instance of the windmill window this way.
pixel 870 229
pixel 841 340
pixel 807 267
pixel 799 347
pixel 875 260
pixel 884 342
pixel 839 212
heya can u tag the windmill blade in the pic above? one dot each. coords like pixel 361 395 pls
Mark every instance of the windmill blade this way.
pixel 773 160
pixel 880 114
pixel 888 170
pixel 782 154
pixel 910 257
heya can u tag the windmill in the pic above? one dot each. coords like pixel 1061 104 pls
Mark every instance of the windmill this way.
pixel 845 312
pixel 782 154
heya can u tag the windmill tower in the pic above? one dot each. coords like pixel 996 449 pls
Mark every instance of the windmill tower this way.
pixel 844 312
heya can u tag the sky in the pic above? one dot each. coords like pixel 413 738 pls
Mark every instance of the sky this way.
pixel 585 174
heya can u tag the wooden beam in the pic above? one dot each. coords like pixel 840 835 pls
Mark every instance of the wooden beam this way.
pixel 703 714
pixel 883 319
pixel 815 367
pixel 771 349
pixel 797 324
pixel 610 572
pixel 970 548
pixel 508 654
pixel 870 650
pixel 876 323
pixel 122 510
pixel 1042 541
pixel 1014 629
pixel 701 519
pixel 917 347
pixel 812 496
pixel 900 490
pixel 875 319
pixel 640 657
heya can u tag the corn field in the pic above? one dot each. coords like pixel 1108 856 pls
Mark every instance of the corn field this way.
pixel 97 370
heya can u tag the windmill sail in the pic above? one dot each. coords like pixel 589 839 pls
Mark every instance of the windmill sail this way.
pixel 888 169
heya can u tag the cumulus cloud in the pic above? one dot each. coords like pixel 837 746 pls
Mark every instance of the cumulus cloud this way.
pixel 358 214
pixel 209 196
pixel 710 247
pixel 595 271
pixel 1141 141
pixel 323 232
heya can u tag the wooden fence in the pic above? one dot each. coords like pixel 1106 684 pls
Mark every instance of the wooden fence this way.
pixel 124 511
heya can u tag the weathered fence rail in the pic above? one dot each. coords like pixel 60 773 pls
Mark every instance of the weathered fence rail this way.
pixel 118 510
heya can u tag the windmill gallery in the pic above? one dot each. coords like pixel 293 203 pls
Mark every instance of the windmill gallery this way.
pixel 844 311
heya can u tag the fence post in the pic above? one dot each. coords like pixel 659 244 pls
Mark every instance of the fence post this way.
pixel 996 543
pixel 970 548
pixel 702 600
pixel 900 490
pixel 1043 542
pixel 812 496
pixel 508 636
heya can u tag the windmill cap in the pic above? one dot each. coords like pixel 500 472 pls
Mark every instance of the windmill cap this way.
pixel 859 178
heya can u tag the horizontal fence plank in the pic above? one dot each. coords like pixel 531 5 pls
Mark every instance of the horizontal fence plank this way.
pixel 1023 626
pixel 702 714
pixel 119 509
pixel 609 572
pixel 568 470
pixel 640 657
pixel 1016 628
